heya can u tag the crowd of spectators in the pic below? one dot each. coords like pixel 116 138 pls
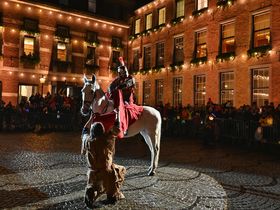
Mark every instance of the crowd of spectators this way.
pixel 52 112
pixel 59 112
pixel 194 120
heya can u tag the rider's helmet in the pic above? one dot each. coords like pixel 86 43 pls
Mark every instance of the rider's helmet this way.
pixel 122 70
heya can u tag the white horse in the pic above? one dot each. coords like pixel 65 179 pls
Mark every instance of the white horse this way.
pixel 148 124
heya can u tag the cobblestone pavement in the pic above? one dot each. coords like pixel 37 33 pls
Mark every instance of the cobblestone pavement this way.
pixel 47 172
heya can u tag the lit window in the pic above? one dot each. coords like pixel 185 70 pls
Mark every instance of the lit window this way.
pixel 180 8
pixel 61 51
pixel 146 92
pixel 147 57
pixel 28 43
pixel 201 4
pixel 92 6
pixel 200 44
pixel 25 91
pixel 177 91
pixel 178 50
pixel 149 21
pixel 161 16
pixel 260 86
pixel 137 26
pixel 227 87
pixel 199 90
pixel 261 30
pixel 228 38
pixel 160 54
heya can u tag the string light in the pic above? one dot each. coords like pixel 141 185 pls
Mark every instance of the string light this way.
pixel 46 36
pixel 54 78
pixel 21 74
pixel 10 73
pixel 29 8
pixel 33 76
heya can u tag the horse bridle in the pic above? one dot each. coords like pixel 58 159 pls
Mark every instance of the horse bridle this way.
pixel 90 102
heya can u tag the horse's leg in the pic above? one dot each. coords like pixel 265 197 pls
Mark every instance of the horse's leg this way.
pixel 151 147
pixel 157 136
pixel 153 141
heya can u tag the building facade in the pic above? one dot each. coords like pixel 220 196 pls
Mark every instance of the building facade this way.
pixel 187 51
pixel 46 49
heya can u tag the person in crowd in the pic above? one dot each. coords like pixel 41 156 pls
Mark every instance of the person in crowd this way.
pixel 104 176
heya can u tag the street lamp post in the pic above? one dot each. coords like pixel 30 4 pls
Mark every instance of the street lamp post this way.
pixel 42 81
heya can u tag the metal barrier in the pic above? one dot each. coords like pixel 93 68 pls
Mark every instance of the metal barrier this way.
pixel 242 131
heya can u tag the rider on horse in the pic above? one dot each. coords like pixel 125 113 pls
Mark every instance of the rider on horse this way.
pixel 121 92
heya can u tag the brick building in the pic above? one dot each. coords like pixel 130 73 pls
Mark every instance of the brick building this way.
pixel 47 49
pixel 186 51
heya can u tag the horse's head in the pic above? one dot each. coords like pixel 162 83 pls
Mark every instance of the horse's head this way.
pixel 88 94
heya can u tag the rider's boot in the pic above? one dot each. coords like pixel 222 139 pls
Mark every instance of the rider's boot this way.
pixel 118 119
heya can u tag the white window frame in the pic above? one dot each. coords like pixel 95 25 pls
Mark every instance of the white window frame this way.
pixel 227 87
pixel 261 91
pixel 177 91
pixel 199 79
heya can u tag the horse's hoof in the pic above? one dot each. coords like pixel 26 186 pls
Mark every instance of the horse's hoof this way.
pixel 88 199
pixel 152 173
